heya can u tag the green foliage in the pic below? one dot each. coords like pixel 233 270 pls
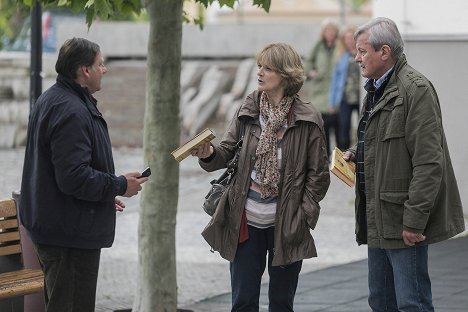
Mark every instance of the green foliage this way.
pixel 104 9
pixel 120 9
pixel 356 4
pixel 12 15
pixel 199 20
pixel 265 4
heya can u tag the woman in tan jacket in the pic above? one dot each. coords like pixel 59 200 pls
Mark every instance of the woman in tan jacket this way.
pixel 273 200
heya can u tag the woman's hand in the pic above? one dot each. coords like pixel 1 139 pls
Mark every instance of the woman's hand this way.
pixel 203 151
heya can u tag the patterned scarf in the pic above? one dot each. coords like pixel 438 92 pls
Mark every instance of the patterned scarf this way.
pixel 266 165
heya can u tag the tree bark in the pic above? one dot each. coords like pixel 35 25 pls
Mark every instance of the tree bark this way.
pixel 157 287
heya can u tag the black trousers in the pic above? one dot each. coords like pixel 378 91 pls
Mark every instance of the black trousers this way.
pixel 70 277
pixel 247 270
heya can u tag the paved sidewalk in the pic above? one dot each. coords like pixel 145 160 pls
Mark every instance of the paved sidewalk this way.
pixel 333 282
pixel 200 273
pixel 343 288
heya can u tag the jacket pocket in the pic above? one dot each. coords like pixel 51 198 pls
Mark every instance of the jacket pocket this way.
pixel 392 208
pixel 393 121
pixel 294 227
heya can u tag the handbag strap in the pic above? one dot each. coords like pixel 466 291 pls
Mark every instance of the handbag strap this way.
pixel 234 162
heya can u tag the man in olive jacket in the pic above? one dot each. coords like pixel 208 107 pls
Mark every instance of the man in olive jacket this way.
pixel 407 195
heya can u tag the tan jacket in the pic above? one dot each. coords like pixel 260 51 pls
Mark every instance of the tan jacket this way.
pixel 304 181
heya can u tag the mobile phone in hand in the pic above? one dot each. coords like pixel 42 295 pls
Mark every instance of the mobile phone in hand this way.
pixel 145 173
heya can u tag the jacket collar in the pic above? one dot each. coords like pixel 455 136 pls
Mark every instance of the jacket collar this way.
pixel 391 90
pixel 81 92
pixel 300 110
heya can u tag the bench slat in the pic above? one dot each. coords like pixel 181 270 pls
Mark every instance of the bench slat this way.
pixel 7 208
pixel 8 224
pixel 10 249
pixel 9 236
pixel 21 282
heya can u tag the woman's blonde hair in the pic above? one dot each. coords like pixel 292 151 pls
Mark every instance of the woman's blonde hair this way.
pixel 340 47
pixel 284 59
pixel 328 23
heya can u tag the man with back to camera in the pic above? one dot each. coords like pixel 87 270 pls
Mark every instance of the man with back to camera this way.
pixel 68 193
pixel 406 192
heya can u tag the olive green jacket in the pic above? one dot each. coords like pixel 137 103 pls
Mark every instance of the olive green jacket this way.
pixel 304 180
pixel 317 89
pixel 410 182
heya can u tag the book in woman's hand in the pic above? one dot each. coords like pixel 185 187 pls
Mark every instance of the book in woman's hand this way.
pixel 184 150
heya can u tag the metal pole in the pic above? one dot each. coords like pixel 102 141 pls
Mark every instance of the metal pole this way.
pixel 36 53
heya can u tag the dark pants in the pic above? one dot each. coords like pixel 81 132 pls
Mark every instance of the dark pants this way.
pixel 346 111
pixel 247 270
pixel 70 277
pixel 330 121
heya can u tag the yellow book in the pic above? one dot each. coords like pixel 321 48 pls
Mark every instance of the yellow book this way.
pixel 345 170
pixel 183 151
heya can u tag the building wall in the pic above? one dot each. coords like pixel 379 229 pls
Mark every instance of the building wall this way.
pixel 438 58
pixel 425 16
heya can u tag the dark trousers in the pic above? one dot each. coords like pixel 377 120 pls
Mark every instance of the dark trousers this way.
pixel 70 277
pixel 346 111
pixel 247 270
pixel 330 121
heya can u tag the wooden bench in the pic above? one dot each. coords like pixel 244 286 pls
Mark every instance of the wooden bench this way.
pixel 19 282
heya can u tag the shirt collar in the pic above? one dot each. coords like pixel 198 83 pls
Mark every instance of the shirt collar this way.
pixel 378 83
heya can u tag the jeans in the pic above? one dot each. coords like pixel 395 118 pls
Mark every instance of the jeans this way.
pixel 399 280
pixel 70 276
pixel 247 270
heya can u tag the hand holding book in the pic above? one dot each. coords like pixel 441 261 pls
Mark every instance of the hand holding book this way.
pixel 203 151
pixel 343 169
pixel 186 149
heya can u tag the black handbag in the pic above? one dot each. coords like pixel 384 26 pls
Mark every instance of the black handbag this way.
pixel 219 186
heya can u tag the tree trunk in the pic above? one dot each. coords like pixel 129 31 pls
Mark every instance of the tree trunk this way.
pixel 157 289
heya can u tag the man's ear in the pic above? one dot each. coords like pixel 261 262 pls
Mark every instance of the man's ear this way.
pixel 386 52
pixel 83 71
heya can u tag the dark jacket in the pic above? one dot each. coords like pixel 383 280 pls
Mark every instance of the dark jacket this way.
pixel 304 180
pixel 410 182
pixel 68 186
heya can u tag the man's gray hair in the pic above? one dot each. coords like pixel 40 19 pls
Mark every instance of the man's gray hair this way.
pixel 383 31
